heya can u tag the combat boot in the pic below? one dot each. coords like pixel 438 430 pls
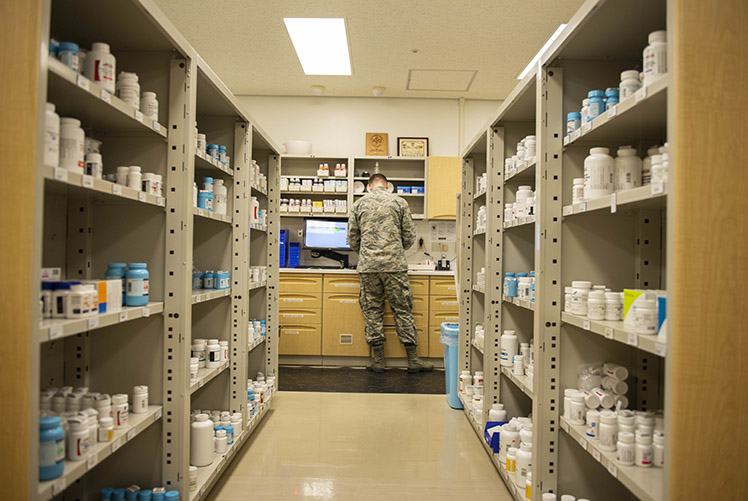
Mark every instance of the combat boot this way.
pixel 377 359
pixel 415 364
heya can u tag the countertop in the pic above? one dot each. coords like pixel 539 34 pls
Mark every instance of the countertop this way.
pixel 333 271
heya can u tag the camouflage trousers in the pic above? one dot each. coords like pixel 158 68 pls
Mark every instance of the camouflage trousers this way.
pixel 394 286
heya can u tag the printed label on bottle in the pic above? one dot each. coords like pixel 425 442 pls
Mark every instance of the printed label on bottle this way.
pixel 48 453
pixel 137 287
pixel 215 356
pixel 121 418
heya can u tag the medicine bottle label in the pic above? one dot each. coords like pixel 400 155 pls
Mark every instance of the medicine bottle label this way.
pixel 50 453
pixel 103 72
pixel 215 356
pixel 137 287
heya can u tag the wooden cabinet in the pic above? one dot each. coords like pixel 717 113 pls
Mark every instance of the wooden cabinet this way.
pixel 342 283
pixel 419 286
pixel 436 349
pixel 300 339
pixel 443 287
pixel 343 327
pixel 393 348
pixel 300 316
pixel 437 317
pixel 444 303
pixel 444 182
pixel 292 282
pixel 288 300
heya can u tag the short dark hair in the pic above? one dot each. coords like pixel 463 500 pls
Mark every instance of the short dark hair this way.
pixel 377 178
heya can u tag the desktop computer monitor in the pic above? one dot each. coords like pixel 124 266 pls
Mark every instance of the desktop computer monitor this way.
pixel 326 234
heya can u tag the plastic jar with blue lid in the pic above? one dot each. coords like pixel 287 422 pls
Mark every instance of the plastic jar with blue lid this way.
pixel 118 270
pixel 222 154
pixel 612 98
pixel 67 52
pixel 222 280
pixel 197 280
pixel 137 284
pixel 212 150
pixel 158 496
pixel 205 200
pixel 118 494
pixel 596 105
pixel 51 448
pixel 106 493
pixel 131 495
pixel 172 496
pixel 209 279
pixel 573 122
pixel 145 495
pixel 507 278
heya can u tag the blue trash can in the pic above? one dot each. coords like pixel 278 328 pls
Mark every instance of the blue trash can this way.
pixel 450 332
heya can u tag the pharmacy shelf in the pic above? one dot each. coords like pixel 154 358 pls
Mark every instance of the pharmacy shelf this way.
pixel 259 190
pixel 522 303
pixel 254 344
pixel 643 115
pixel 201 296
pixel 334 178
pixel 520 381
pixel 315 214
pixel 524 173
pixel 342 194
pixel 207 214
pixel 647 484
pixel 479 232
pixel 520 221
pixel 617 331
pixel 258 227
pixel 517 494
pixel 478 288
pixel 207 475
pixel 479 194
pixel 98 187
pixel 393 179
pixel 478 347
pixel 76 96
pixel 257 285
pixel 648 196
pixel 204 375
pixel 203 161
pixel 99 452
pixel 57 328
pixel 398 194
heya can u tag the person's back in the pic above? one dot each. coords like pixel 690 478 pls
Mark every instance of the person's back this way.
pixel 380 228
pixel 385 229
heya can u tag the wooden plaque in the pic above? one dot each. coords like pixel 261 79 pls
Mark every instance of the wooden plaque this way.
pixel 376 143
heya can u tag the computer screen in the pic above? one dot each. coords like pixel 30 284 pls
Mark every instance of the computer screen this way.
pixel 326 234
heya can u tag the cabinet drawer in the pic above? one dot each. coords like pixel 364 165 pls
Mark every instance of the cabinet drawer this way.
pixel 443 287
pixel 394 349
pixel 300 340
pixel 293 300
pixel 436 349
pixel 342 284
pixel 437 317
pixel 419 285
pixel 299 283
pixel 420 303
pixel 300 316
pixel 444 303
pixel 420 318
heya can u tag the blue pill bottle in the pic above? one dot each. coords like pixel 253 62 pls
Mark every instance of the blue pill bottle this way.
pixel 596 105
pixel 137 285
pixel 51 448
pixel 118 270
pixel 212 150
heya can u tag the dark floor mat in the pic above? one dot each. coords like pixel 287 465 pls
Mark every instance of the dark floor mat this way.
pixel 353 380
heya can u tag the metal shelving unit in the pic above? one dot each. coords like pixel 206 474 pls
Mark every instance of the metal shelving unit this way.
pixel 86 223
pixel 617 240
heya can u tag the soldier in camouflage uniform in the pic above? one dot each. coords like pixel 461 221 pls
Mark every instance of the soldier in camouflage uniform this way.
pixel 380 228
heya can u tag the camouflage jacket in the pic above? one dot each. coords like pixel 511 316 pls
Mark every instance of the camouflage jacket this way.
pixel 380 228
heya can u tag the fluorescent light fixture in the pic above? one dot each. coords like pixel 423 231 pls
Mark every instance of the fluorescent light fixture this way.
pixel 542 50
pixel 321 44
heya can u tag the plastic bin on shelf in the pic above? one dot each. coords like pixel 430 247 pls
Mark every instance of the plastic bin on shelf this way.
pixel 450 332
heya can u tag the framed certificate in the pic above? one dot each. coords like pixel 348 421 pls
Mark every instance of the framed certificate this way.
pixel 412 146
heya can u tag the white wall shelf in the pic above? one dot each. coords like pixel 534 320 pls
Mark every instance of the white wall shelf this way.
pixel 393 179
pixel 523 173
pixel 520 221
pixel 99 452
pixel 257 285
pixel 616 331
pixel 478 288
pixel 99 188
pixel 522 303
pixel 520 381
pixel 648 196
pixel 642 115
pixel 254 344
pixel 204 375
pixel 647 484
pixel 207 475
pixel 58 328
pixel 99 107
pixel 477 346
pixel 200 296
pixel 203 161
pixel 207 214
pixel 479 232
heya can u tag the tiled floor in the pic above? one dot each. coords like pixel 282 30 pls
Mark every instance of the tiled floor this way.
pixel 361 447
pixel 359 380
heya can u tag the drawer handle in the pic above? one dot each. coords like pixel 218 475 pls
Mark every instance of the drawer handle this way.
pixel 346 339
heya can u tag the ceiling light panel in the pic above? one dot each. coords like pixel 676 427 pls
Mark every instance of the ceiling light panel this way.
pixel 321 44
